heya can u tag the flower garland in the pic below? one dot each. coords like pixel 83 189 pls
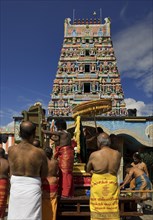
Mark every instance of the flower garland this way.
pixel 77 133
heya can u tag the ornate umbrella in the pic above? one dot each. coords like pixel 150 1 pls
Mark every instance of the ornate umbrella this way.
pixel 92 108
pixel 88 109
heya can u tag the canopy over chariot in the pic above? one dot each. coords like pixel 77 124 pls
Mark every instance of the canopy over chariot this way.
pixel 88 109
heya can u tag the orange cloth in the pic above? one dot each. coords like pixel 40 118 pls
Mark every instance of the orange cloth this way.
pixel 3 196
pixel 49 198
pixel 65 154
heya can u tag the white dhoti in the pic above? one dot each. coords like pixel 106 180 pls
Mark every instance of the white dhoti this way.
pixel 25 198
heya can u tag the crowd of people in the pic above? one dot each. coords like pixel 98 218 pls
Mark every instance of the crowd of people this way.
pixel 34 178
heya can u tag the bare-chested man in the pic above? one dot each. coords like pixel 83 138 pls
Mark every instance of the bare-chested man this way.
pixel 135 172
pixel 61 137
pixel 142 182
pixel 4 172
pixel 137 162
pixel 64 152
pixel 27 165
pixel 104 165
pixel 50 188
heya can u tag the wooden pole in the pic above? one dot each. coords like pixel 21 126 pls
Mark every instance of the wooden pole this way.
pixel 95 119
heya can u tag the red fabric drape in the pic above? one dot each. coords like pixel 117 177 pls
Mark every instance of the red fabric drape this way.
pixel 65 154
pixel 3 196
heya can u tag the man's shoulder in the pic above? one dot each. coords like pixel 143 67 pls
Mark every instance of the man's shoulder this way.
pixel 143 163
pixel 4 160
pixel 53 163
pixel 12 148
pixel 39 151
pixel 109 152
pixel 94 154
pixel 65 132
pixel 115 151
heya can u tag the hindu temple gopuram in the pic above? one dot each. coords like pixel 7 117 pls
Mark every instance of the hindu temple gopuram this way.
pixel 87 72
pixel 87 68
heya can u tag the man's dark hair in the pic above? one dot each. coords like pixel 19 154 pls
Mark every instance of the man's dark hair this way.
pixel 114 139
pixel 49 152
pixel 2 152
pixel 3 138
pixel 36 143
pixel 137 156
pixel 100 130
pixel 61 124
pixel 27 129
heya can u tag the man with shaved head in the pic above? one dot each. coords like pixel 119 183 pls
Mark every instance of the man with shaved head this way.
pixel 104 165
pixel 28 165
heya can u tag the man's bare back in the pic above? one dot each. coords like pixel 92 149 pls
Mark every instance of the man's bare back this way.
pixel 132 172
pixel 141 166
pixel 27 160
pixel 64 138
pixel 52 168
pixel 4 168
pixel 61 138
pixel 105 160
pixel 135 172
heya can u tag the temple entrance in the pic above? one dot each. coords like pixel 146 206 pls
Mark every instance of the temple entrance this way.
pixel 87 68
pixel 86 87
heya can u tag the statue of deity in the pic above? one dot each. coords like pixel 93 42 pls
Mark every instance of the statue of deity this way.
pixel 64 67
pixel 101 67
pixel 79 87
pixel 56 90
pixel 93 87
pixel 92 68
pixel 68 67
pixel 76 66
pixel 72 67
pixel 81 68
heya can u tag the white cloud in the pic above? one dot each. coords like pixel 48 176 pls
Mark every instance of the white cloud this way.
pixel 123 10
pixel 134 52
pixel 10 125
pixel 142 108
pixel 7 113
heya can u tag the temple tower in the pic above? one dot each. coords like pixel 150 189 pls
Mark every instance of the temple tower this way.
pixel 87 68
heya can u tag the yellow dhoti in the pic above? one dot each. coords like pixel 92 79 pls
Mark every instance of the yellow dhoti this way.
pixel 104 197
pixel 49 201
pixel 49 208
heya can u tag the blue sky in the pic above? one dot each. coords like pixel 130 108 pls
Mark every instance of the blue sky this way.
pixel 32 36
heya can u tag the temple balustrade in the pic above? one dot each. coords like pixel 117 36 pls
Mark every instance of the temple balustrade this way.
pixel 84 97
pixel 69 58
pixel 85 75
